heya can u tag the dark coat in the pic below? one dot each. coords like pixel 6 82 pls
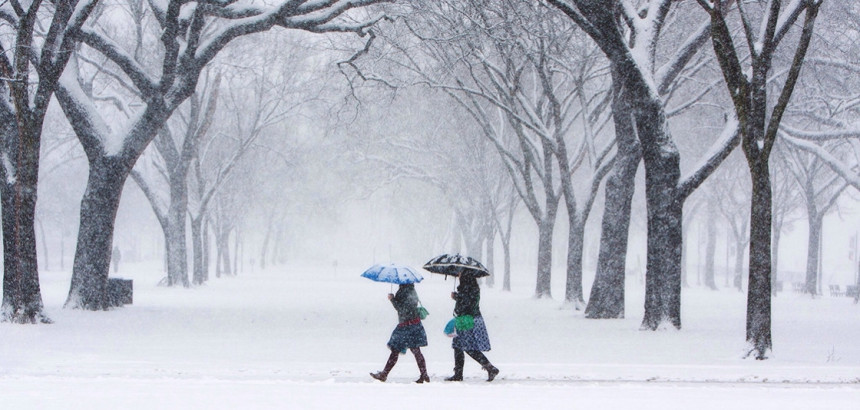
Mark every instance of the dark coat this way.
pixel 405 301
pixel 467 298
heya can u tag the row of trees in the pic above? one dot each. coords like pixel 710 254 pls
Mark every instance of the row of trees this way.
pixel 152 56
pixel 545 102
pixel 572 93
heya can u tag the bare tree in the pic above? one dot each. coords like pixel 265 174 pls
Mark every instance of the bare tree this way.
pixel 628 37
pixel 176 155
pixel 747 80
pixel 191 35
pixel 38 39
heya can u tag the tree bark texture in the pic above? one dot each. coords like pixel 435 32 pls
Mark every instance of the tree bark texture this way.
pixel 575 244
pixel 813 247
pixel 99 206
pixel 543 286
pixel 22 297
pixel 607 293
pixel 665 215
pixel 759 297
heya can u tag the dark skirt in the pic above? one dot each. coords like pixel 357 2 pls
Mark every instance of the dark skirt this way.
pixel 475 338
pixel 407 337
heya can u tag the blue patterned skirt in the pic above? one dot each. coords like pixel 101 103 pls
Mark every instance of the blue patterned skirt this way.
pixel 407 337
pixel 475 338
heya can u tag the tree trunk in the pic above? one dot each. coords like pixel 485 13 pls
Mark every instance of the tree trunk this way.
pixel 777 231
pixel 607 292
pixel 22 296
pixel 198 278
pixel 95 236
pixel 177 257
pixel 491 254
pixel 759 297
pixel 816 220
pixel 265 247
pixel 740 248
pixel 236 255
pixel 44 245
pixel 711 248
pixel 506 282
pixel 665 216
pixel 543 287
pixel 207 252
pixel 575 243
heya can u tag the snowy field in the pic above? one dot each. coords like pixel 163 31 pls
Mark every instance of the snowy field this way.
pixel 298 338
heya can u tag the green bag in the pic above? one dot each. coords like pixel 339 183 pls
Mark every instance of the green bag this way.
pixel 465 322
pixel 422 312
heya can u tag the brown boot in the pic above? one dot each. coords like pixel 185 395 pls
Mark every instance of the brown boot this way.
pixel 424 378
pixel 381 376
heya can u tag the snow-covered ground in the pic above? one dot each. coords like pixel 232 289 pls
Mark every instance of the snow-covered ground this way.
pixel 301 337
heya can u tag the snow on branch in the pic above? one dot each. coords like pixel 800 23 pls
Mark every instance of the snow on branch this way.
pixel 788 17
pixel 115 53
pixel 667 73
pixel 853 132
pixel 725 144
pixel 847 172
pixel 316 17
pixel 82 114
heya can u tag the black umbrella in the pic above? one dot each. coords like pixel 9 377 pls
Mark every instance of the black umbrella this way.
pixel 456 265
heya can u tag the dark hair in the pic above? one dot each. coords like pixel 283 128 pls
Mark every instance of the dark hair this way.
pixel 468 281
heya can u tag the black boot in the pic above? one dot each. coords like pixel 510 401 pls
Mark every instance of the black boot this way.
pixel 479 357
pixel 492 371
pixel 459 360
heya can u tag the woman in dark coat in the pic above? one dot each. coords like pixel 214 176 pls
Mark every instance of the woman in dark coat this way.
pixel 473 341
pixel 409 333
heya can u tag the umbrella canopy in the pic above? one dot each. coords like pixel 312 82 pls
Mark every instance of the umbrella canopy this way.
pixel 456 265
pixel 392 273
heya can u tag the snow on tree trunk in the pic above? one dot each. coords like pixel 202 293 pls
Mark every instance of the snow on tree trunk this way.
pixel 198 277
pixel 758 329
pixel 22 297
pixel 543 287
pixel 607 292
pixel 740 249
pixel 95 236
pixel 177 258
pixel 665 213
pixel 711 247
pixel 813 247
pixel 506 282
pixel 774 260
pixel 491 255
pixel 206 249
pixel 575 243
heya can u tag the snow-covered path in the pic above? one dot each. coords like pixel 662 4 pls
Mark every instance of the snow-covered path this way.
pixel 298 337
pixel 111 392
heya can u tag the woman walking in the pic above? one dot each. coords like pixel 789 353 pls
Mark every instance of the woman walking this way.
pixel 409 333
pixel 472 335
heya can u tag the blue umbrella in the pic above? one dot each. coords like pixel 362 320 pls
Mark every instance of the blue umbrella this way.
pixel 392 273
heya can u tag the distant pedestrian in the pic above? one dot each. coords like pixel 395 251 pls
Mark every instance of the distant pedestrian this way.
pixel 115 256
pixel 408 334
pixel 471 332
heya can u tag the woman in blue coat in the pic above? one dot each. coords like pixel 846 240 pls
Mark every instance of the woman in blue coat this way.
pixel 409 333
pixel 475 340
